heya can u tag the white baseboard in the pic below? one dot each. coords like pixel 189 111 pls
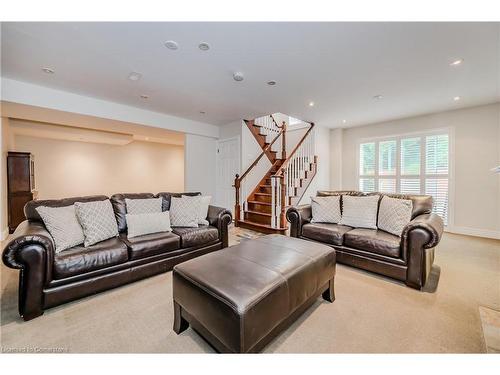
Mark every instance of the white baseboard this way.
pixel 486 233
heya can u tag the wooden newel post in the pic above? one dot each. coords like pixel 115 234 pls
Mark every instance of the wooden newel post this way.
pixel 237 201
pixel 283 144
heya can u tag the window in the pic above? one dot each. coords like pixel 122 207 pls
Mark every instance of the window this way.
pixel 408 165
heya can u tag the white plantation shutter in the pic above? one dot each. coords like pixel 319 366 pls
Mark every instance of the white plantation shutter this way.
pixel 410 156
pixel 408 165
pixel 436 154
pixel 409 186
pixel 367 159
pixel 367 185
pixel 387 158
pixel 387 185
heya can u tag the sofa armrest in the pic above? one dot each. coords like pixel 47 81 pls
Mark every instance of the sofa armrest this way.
pixel 27 233
pixel 32 252
pixel 220 218
pixel 298 216
pixel 430 223
pixel 420 237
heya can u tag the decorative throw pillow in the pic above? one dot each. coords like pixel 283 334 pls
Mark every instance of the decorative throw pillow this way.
pixel 203 202
pixel 325 209
pixel 394 214
pixel 97 220
pixel 63 226
pixel 143 206
pixel 140 224
pixel 360 212
pixel 184 212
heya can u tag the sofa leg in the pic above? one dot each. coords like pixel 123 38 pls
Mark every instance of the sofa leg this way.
pixel 180 324
pixel 329 294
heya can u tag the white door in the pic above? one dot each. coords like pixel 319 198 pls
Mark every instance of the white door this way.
pixel 228 165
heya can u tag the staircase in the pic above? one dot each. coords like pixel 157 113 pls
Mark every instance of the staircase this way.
pixel 283 184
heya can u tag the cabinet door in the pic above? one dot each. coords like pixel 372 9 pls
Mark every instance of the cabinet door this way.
pixel 16 209
pixel 19 174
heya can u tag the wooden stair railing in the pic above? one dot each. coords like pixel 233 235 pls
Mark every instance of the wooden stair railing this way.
pixel 301 162
pixel 238 179
pixel 283 184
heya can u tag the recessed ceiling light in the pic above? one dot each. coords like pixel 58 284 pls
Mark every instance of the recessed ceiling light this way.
pixel 134 76
pixel 238 76
pixel 311 104
pixel 171 44
pixel 344 121
pixel 456 62
pixel 202 112
pixel 271 83
pixel 144 96
pixel 377 97
pixel 48 70
pixel 456 98
pixel 204 46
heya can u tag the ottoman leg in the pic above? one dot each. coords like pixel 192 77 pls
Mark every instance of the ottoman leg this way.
pixel 329 294
pixel 180 324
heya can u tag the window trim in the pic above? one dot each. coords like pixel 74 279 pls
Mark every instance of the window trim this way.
pixel 451 162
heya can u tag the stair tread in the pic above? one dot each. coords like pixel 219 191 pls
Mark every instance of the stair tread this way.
pixel 257 213
pixel 262 203
pixel 269 194
pixel 260 225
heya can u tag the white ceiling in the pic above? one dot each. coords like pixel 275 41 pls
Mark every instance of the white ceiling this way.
pixel 339 66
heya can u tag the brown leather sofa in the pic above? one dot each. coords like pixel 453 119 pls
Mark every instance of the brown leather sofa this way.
pixel 407 258
pixel 48 279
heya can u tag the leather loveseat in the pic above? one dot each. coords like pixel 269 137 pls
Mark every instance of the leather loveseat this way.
pixel 407 258
pixel 48 279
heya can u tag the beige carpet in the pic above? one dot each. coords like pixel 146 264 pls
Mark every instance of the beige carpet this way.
pixel 371 314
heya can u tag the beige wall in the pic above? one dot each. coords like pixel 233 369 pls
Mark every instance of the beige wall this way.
pixel 476 143
pixel 6 144
pixel 67 168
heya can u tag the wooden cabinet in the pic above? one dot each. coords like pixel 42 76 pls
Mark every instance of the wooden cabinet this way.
pixel 20 185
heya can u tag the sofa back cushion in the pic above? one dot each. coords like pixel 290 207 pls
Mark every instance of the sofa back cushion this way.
pixel 394 214
pixel 97 220
pixel 32 214
pixel 360 212
pixel 167 198
pixel 422 204
pixel 120 206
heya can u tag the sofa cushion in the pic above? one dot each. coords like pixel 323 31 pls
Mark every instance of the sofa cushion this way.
pixel 196 237
pixel 79 259
pixel 167 198
pixel 151 244
pixel 360 212
pixel 97 220
pixel 141 224
pixel 143 206
pixel 394 214
pixel 326 209
pixel 328 233
pixel 63 226
pixel 120 207
pixel 184 211
pixel 374 241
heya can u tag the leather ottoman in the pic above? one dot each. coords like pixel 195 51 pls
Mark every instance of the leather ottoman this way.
pixel 241 297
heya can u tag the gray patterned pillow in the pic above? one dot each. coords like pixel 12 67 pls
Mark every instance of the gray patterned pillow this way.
pixel 325 209
pixel 394 214
pixel 143 206
pixel 63 226
pixel 360 212
pixel 97 220
pixel 203 201
pixel 140 224
pixel 184 212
